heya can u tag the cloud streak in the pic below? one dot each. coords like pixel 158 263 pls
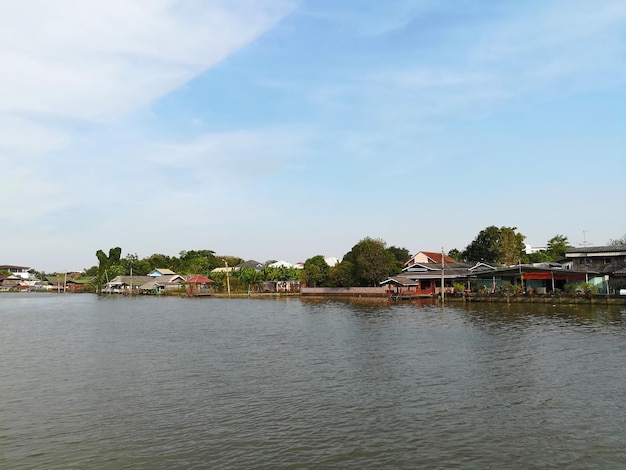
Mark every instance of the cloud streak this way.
pixel 94 61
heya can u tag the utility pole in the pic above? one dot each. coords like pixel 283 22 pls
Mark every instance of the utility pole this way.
pixel 442 276
pixel 227 277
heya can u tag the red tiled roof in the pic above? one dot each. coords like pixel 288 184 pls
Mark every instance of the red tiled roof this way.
pixel 199 279
pixel 436 257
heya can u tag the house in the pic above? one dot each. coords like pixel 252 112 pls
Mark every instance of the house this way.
pixel 332 261
pixel 280 286
pixel 540 278
pixel 280 264
pixel 605 265
pixel 424 279
pixel 123 284
pixel 161 272
pixel 19 271
pixel 199 285
pixel 163 283
pixel 597 258
pixel 224 269
pixel 10 282
pixel 431 257
pixel 250 264
pixel 64 283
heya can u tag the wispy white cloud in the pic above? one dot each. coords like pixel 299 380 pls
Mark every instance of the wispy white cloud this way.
pixel 100 59
pixel 70 59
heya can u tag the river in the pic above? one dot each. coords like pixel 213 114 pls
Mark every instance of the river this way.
pixel 91 382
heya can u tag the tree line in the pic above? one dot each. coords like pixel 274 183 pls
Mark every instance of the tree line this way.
pixel 369 262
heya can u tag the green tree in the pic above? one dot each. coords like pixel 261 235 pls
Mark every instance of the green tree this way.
pixel 456 254
pixel 198 262
pixel 541 256
pixel 106 263
pixel 557 246
pixel 342 275
pixel 140 267
pixel 399 256
pixel 247 277
pixel 484 247
pixel 496 245
pixel 316 272
pixel 510 245
pixel 370 260
pixel 160 261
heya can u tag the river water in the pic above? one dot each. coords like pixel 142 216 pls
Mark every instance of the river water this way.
pixel 91 382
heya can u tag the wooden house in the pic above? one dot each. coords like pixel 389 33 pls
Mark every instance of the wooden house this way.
pixel 161 284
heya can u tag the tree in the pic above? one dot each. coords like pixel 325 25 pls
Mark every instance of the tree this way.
pixel 557 246
pixel 140 267
pixel 484 247
pixel 370 260
pixel 399 256
pixel 456 254
pixel 510 246
pixel 247 276
pixel 496 245
pixel 541 256
pixel 106 262
pixel 159 261
pixel 197 262
pixel 316 272
pixel 342 275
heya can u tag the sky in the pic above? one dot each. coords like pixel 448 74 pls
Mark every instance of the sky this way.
pixel 285 129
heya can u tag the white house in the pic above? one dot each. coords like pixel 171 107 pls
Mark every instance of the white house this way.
pixel 19 271
pixel 280 264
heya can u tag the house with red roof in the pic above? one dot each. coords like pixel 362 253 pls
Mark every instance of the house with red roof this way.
pixel 199 285
pixel 429 257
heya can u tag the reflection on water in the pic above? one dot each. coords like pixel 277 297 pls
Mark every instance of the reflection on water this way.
pixel 89 382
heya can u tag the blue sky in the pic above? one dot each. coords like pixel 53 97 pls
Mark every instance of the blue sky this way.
pixel 284 129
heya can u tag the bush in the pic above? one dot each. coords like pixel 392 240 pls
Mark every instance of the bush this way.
pixel 581 288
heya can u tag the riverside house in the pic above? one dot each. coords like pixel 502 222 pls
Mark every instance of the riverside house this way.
pixel 605 266
pixel 424 279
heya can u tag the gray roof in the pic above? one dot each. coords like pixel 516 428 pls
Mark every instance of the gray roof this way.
pixel 251 264
pixel 175 279
pixel 597 249
pixel 137 280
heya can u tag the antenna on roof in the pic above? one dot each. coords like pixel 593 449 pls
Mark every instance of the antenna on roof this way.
pixel 585 242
